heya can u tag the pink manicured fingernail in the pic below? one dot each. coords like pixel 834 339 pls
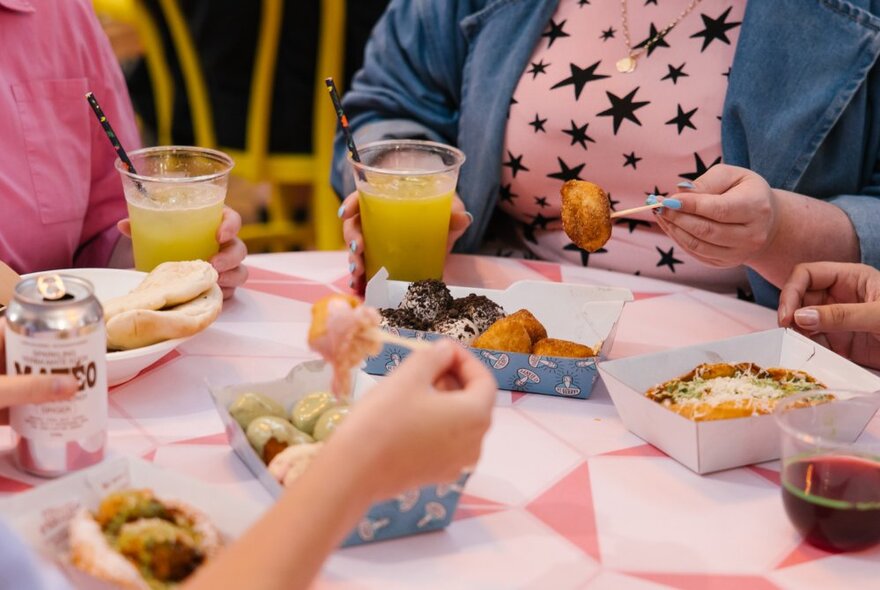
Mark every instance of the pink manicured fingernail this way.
pixel 807 318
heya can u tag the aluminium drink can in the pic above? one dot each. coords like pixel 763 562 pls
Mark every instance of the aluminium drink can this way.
pixel 55 325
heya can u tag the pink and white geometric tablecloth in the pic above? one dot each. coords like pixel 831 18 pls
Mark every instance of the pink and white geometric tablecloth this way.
pixel 564 496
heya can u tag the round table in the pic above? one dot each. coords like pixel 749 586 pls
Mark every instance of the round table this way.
pixel 563 497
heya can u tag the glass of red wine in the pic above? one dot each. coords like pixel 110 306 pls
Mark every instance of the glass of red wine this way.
pixel 831 468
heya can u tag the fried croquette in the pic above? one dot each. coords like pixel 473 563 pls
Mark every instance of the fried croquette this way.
pixel 506 335
pixel 562 348
pixel 536 329
pixel 586 214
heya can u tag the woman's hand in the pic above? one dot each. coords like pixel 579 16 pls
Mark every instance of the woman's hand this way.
pixel 838 305
pixel 353 234
pixel 228 261
pixel 729 217
pixel 29 389
pixel 424 423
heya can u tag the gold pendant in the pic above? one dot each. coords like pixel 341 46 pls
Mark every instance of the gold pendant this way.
pixel 626 65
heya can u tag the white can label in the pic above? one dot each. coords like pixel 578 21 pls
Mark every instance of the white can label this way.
pixel 84 357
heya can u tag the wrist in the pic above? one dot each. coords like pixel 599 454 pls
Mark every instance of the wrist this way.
pixel 359 457
pixel 775 234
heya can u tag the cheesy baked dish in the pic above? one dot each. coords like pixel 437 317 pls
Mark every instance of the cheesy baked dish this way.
pixel 720 391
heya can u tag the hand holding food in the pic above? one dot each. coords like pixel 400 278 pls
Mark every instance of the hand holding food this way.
pixel 838 305
pixel 730 217
pixel 440 400
pixel 140 542
pixel 349 212
pixel 175 300
pixel 722 391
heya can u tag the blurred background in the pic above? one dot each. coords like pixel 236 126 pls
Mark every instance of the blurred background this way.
pixel 247 78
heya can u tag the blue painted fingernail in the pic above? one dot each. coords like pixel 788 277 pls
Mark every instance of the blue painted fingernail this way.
pixel 469 216
pixel 353 246
pixel 686 184
pixel 351 283
pixel 651 200
pixel 672 203
pixel 351 267
pixel 341 211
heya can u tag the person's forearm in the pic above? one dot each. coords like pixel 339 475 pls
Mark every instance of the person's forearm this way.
pixel 809 230
pixel 287 546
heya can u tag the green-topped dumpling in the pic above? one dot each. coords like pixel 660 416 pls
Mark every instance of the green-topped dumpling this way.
pixel 306 411
pixel 253 405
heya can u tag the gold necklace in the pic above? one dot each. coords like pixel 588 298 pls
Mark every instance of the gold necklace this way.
pixel 628 63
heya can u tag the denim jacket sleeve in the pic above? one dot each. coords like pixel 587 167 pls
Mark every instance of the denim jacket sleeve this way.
pixel 409 84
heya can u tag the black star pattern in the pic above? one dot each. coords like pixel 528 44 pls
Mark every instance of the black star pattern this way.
pixel 585 256
pixel 701 167
pixel 579 134
pixel 566 173
pixel 675 73
pixel 541 202
pixel 654 2
pixel 513 101
pixel 555 32
pixel 632 223
pixel 661 42
pixel 727 73
pixel 657 193
pixel 608 33
pixel 668 258
pixel 582 3
pixel 540 222
pixel 538 123
pixel 631 160
pixel 612 203
pixel 515 163
pixel 623 108
pixel 506 195
pixel 682 119
pixel 715 28
pixel 579 78
pixel 538 68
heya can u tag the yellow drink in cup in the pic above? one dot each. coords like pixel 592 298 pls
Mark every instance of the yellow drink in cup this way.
pixel 405 190
pixel 175 203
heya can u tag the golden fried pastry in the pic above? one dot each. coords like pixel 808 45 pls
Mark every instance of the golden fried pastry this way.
pixel 506 335
pixel 586 214
pixel 719 391
pixel 536 329
pixel 563 348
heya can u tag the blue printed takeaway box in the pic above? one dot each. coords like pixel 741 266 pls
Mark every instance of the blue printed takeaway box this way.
pixel 428 508
pixel 580 313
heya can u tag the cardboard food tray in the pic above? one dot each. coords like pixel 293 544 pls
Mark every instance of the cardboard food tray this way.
pixel 426 509
pixel 580 313
pixel 41 516
pixel 707 446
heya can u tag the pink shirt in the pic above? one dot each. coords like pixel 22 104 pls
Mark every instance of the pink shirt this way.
pixel 59 192
pixel 576 116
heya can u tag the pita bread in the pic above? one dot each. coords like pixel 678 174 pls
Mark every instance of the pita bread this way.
pixel 142 327
pixel 169 284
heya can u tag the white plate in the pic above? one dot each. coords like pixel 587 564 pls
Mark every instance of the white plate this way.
pixel 108 283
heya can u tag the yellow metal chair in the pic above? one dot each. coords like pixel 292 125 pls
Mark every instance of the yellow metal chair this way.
pixel 133 13
pixel 254 163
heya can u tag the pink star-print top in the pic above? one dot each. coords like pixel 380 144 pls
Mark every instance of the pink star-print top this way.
pixel 574 116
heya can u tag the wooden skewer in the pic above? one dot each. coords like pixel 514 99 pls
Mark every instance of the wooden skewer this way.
pixel 410 343
pixel 626 212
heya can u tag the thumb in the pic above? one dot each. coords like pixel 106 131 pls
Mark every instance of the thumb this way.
pixel 840 317
pixel 35 389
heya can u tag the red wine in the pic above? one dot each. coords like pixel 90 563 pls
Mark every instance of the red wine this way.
pixel 834 501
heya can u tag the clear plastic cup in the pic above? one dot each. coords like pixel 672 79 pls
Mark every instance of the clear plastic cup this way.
pixel 831 469
pixel 175 202
pixel 405 190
